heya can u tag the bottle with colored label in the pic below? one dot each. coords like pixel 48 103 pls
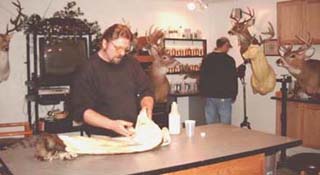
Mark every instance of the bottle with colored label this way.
pixel 174 119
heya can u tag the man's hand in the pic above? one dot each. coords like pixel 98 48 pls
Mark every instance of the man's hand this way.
pixel 234 99
pixel 241 70
pixel 149 112
pixel 147 103
pixel 122 127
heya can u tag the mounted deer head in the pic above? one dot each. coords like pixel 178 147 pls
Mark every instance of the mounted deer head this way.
pixel 299 64
pixel 153 42
pixel 5 42
pixel 263 77
pixel 240 29
pixel 292 58
pixel 152 37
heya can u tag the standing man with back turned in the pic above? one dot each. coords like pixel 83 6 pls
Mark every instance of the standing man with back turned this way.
pixel 107 90
pixel 218 83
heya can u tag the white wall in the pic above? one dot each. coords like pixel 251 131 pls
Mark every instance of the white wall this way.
pixel 214 22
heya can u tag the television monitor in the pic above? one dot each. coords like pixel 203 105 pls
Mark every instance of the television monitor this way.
pixel 59 60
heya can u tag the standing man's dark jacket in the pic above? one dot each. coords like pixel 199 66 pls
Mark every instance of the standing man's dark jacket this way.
pixel 218 77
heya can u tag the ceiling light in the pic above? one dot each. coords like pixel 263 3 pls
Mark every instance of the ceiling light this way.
pixel 191 6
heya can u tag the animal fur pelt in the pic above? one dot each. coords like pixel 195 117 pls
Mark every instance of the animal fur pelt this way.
pixel 147 136
pixel 47 147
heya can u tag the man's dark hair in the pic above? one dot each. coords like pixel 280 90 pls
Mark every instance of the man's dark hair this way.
pixel 116 31
pixel 221 41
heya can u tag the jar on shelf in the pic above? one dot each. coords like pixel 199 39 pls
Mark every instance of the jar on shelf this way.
pixel 168 51
pixel 201 52
pixel 182 53
pixel 188 52
pixel 173 52
pixel 178 53
pixel 177 88
pixel 187 33
pixel 187 87
pixel 195 52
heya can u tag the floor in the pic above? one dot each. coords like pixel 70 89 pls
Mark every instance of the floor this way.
pixel 293 151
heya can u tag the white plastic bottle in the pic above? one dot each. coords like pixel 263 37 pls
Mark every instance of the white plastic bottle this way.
pixel 174 119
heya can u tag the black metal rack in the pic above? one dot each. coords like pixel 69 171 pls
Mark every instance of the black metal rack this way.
pixel 49 29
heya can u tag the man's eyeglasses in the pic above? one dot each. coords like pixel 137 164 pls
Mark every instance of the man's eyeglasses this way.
pixel 119 48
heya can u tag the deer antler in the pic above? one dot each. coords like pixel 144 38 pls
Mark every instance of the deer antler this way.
pixel 127 23
pixel 233 17
pixel 17 22
pixel 152 38
pixel 269 32
pixel 307 43
pixel 286 49
pixel 250 13
pixel 155 37
pixel 154 41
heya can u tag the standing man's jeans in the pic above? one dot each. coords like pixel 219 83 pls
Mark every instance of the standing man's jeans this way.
pixel 218 110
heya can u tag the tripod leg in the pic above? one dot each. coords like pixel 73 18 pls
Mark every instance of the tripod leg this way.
pixel 245 123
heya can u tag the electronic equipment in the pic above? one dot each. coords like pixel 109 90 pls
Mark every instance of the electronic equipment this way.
pixel 53 90
pixel 59 59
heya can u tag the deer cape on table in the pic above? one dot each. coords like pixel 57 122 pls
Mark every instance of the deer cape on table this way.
pixel 147 136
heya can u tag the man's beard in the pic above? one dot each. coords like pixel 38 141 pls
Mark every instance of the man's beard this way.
pixel 116 60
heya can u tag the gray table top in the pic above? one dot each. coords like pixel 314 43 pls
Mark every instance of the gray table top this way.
pixel 221 143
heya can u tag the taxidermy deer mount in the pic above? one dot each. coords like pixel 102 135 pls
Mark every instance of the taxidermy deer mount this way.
pixel 240 29
pixel 5 41
pixel 263 77
pixel 153 42
pixel 299 65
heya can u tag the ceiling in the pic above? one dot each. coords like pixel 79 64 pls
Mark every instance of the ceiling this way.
pixel 211 1
pixel 208 1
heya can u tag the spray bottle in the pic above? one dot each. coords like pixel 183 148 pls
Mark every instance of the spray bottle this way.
pixel 174 119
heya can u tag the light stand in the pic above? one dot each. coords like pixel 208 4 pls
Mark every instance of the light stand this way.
pixel 241 74
pixel 245 122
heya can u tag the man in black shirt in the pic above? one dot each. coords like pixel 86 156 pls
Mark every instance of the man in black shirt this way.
pixel 106 90
pixel 218 83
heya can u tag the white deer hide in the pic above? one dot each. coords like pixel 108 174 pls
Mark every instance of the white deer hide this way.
pixel 263 78
pixel 147 136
